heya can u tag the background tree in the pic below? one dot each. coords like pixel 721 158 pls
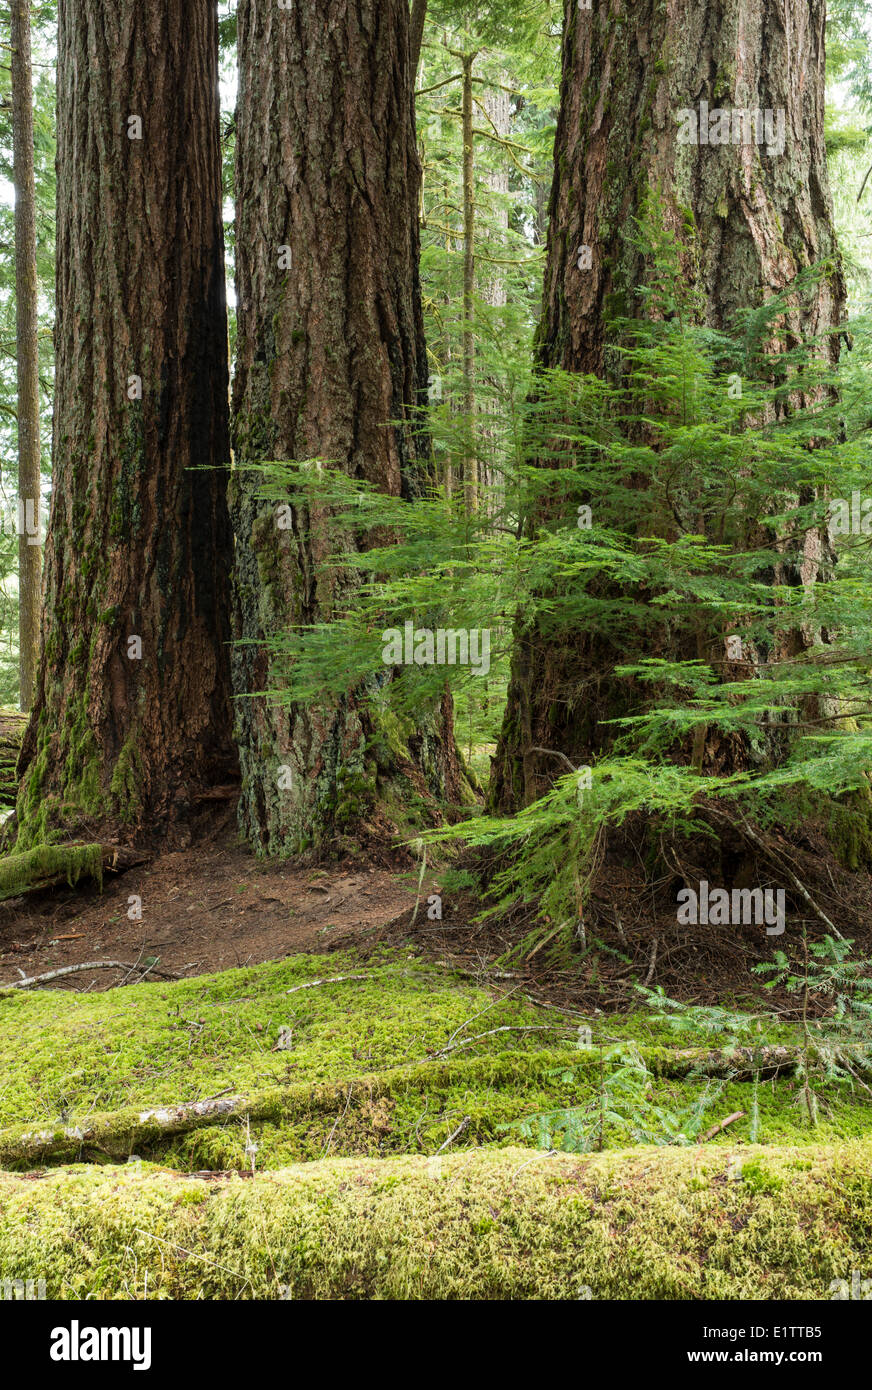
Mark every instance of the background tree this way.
pixel 484 71
pixel 27 349
pixel 131 726
pixel 417 20
pixel 43 33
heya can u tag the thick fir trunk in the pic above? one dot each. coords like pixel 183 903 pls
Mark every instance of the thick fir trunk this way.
pixel 132 719
pixel 331 365
pixel 750 219
pixel 27 352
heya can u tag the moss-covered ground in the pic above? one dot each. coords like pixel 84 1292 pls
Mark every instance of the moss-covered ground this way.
pixel 340 1096
pixel 667 1224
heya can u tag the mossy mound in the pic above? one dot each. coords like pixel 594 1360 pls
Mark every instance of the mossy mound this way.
pixel 400 1058
pixel 641 1224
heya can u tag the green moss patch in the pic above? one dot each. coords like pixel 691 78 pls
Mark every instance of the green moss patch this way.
pixel 641 1224
pixel 402 1058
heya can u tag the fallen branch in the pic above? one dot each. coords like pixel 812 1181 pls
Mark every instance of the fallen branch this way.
pixel 30 980
pixel 461 1128
pixel 331 980
pixel 716 1129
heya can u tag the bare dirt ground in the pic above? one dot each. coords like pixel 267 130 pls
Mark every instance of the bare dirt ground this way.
pixel 216 906
pixel 203 910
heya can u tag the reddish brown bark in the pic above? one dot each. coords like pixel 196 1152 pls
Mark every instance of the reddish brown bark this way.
pixel 750 219
pixel 139 543
pixel 331 365
pixel 27 352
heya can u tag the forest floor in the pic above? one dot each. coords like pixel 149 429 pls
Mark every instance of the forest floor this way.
pixel 217 907
pixel 327 1094
pixel 210 908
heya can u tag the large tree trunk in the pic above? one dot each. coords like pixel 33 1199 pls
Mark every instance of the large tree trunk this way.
pixel 332 364
pixel 132 719
pixel 27 353
pixel 750 221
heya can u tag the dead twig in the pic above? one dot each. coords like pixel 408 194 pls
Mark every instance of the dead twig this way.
pixel 550 1154
pixel 716 1129
pixel 555 753
pixel 331 980
pixel 770 854
pixel 505 1028
pixel 326 1148
pixel 649 977
pixel 464 1125
pixel 30 980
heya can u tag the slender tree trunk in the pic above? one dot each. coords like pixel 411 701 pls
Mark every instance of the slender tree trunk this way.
pixel 750 218
pixel 332 365
pixel 471 456
pixel 416 35
pixel 497 104
pixel 27 352
pixel 131 726
pixel 449 455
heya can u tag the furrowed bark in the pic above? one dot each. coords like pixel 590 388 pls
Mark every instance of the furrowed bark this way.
pixel 331 365
pixel 750 217
pixel 132 722
pixel 27 352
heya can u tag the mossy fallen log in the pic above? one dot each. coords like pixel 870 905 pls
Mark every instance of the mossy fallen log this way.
pixel 145 1129
pixel 784 1223
pixel 368 1068
pixel 47 866
pixel 119 1134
